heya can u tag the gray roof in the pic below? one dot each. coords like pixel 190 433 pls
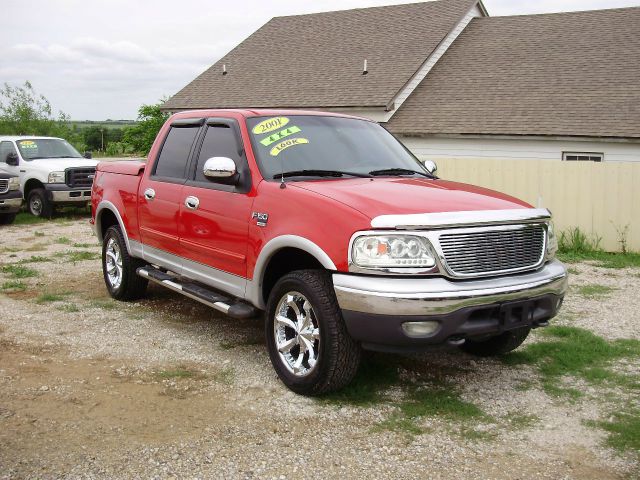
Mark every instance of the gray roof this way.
pixel 566 74
pixel 316 60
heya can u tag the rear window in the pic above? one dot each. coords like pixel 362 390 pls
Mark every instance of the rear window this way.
pixel 172 162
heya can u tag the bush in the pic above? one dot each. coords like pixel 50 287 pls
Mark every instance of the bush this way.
pixel 576 241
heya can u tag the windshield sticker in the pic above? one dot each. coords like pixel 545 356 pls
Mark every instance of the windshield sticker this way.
pixel 270 124
pixel 275 151
pixel 279 135
pixel 27 144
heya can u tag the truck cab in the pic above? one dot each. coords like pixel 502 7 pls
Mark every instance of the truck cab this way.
pixel 329 229
pixel 51 171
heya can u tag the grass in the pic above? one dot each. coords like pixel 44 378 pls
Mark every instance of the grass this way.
pixel 594 291
pixel 35 259
pixel 19 271
pixel 81 255
pixel 69 308
pixel 624 430
pixel 178 372
pixel 14 286
pixel 575 246
pixel 63 240
pixel 38 234
pixel 83 245
pixel 65 214
pixel 51 297
pixel 105 305
pixel 521 420
pixel 575 352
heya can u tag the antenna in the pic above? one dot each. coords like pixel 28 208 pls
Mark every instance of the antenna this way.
pixel 224 69
pixel 282 184
pixel 364 69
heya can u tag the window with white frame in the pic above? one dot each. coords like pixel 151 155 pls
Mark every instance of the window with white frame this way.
pixel 582 156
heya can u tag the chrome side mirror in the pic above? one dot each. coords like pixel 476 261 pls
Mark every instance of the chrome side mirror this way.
pixel 431 166
pixel 219 168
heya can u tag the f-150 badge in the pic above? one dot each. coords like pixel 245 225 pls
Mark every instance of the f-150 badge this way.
pixel 261 218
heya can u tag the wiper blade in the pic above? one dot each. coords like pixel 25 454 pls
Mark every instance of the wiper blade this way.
pixel 319 173
pixel 399 171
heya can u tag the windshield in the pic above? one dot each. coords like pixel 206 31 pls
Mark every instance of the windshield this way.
pixel 37 148
pixel 308 145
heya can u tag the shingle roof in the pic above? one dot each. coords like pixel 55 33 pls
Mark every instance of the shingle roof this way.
pixel 316 60
pixel 552 74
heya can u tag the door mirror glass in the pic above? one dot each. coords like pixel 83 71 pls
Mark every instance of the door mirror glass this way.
pixel 431 166
pixel 12 159
pixel 219 168
pixel 88 155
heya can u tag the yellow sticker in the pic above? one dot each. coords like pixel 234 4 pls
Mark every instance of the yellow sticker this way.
pixel 270 124
pixel 275 151
pixel 28 144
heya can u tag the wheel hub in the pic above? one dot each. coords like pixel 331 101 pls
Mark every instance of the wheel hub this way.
pixel 113 263
pixel 297 334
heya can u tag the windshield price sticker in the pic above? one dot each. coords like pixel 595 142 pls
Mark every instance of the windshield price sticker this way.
pixel 275 151
pixel 270 124
pixel 279 135
pixel 28 144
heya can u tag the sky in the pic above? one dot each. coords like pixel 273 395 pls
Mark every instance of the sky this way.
pixel 102 59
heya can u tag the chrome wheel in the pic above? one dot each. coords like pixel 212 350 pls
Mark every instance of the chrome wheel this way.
pixel 113 263
pixel 35 205
pixel 297 334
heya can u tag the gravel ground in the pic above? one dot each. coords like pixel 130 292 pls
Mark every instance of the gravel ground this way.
pixel 166 388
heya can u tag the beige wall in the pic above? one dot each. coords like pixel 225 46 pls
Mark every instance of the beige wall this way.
pixel 597 197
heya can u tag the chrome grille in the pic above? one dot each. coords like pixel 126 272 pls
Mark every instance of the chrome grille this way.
pixel 474 252
pixel 80 177
pixel 4 185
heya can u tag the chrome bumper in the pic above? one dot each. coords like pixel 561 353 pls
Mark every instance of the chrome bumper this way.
pixel 439 296
pixel 11 203
pixel 70 195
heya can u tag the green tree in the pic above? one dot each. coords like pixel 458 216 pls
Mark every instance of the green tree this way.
pixel 23 111
pixel 92 137
pixel 150 120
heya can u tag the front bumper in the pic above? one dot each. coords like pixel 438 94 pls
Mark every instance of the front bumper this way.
pixel 61 193
pixel 11 201
pixel 374 308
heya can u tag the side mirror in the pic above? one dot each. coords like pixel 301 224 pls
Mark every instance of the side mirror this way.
pixel 88 155
pixel 220 168
pixel 431 166
pixel 12 159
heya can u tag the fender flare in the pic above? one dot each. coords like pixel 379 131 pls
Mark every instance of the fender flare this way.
pixel 254 286
pixel 107 205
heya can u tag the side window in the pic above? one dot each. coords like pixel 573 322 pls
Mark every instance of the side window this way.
pixel 172 162
pixel 5 149
pixel 219 141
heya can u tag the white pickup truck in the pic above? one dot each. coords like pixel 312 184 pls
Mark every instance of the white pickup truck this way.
pixel 51 172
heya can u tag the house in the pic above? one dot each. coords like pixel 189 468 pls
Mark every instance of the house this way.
pixel 448 79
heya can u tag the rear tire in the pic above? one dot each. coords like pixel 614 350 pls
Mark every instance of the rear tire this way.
pixel 498 345
pixel 38 205
pixel 7 218
pixel 119 268
pixel 307 339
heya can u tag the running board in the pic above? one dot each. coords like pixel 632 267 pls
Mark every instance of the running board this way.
pixel 233 308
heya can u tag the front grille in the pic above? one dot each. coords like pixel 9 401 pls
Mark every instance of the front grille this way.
pixel 493 250
pixel 80 177
pixel 4 185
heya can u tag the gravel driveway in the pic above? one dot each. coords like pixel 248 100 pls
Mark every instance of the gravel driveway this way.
pixel 165 387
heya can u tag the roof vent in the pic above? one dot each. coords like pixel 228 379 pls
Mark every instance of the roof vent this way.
pixel 224 69
pixel 364 68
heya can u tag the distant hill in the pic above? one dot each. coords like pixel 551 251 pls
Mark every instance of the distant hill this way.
pixel 108 124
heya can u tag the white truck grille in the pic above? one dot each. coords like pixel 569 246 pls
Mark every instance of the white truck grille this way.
pixel 4 185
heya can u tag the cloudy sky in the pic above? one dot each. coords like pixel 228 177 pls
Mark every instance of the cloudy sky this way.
pixel 102 59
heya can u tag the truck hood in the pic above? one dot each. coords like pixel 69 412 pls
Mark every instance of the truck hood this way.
pixel 397 196
pixel 60 164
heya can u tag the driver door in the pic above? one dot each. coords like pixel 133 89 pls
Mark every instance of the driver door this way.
pixel 214 216
pixel 7 147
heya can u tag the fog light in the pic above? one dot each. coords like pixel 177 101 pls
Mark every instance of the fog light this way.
pixel 420 329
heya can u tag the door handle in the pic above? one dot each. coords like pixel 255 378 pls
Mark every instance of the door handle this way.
pixel 192 203
pixel 149 194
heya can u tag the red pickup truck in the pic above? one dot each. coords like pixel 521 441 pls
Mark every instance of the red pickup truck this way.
pixel 330 227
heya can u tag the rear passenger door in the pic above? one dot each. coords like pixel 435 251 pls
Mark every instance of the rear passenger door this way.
pixel 160 194
pixel 213 236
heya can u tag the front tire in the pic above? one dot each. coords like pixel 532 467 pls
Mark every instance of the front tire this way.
pixel 38 205
pixel 498 345
pixel 119 268
pixel 307 339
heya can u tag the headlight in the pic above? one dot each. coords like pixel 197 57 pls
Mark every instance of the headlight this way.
pixel 14 183
pixel 392 251
pixel 552 241
pixel 56 177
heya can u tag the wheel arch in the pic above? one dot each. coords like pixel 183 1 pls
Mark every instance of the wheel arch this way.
pixel 30 185
pixel 107 215
pixel 280 256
